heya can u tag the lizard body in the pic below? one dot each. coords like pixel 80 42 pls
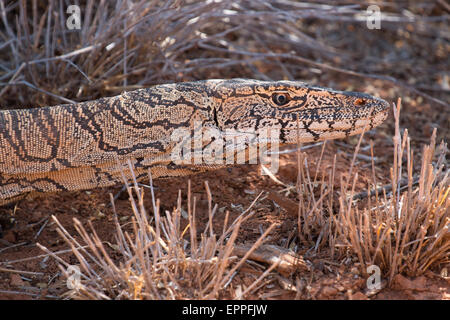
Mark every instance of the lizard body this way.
pixel 78 146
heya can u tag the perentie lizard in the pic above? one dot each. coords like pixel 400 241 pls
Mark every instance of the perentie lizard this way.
pixel 78 146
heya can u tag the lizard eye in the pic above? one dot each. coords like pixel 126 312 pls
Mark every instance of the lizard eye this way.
pixel 280 98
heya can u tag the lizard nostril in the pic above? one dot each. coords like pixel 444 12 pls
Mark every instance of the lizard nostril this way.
pixel 360 102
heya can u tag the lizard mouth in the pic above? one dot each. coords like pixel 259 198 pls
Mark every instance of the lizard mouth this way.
pixel 358 110
pixel 327 123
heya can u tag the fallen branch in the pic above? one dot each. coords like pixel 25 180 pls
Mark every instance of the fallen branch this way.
pixel 287 261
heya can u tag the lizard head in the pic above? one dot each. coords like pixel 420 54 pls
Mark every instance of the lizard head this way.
pixel 301 112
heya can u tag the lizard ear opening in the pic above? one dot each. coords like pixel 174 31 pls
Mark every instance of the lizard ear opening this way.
pixel 216 121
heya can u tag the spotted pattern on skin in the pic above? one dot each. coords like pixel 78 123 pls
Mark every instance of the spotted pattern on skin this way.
pixel 78 146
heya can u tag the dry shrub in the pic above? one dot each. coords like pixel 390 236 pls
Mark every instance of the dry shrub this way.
pixel 315 204
pixel 406 231
pixel 124 45
pixel 158 259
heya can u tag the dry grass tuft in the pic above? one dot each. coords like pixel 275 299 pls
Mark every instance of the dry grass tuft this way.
pixel 158 259
pixel 407 230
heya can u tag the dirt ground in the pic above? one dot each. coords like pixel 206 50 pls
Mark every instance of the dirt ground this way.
pixel 233 189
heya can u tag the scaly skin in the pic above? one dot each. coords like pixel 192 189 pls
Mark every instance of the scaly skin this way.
pixel 78 146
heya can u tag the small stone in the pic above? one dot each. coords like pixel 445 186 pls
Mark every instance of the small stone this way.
pixel 354 270
pixel 359 284
pixel 99 215
pixel 185 215
pixel 340 288
pixel 359 296
pixel 402 283
pixel 222 210
pixel 36 216
pixel 328 281
pixel 420 283
pixel 9 236
pixel 16 280
pixel 329 291
pixel 41 285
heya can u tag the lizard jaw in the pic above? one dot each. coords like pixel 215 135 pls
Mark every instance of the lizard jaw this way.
pixel 328 124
